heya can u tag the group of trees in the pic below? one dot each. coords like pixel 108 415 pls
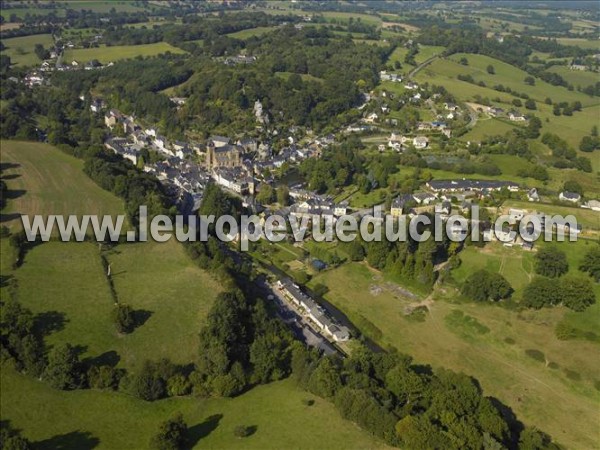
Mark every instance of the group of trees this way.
pixel 337 168
pixel 22 344
pixel 591 142
pixel 405 405
pixel 483 286
pixel 566 157
pixel 553 287
pixel 410 259
pixel 576 293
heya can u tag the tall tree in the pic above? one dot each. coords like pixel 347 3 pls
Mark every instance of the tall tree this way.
pixel 551 262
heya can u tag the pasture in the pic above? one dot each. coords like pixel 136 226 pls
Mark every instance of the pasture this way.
pixel 106 54
pixel 576 77
pixel 113 420
pixel 552 399
pixel 43 180
pixel 65 284
pixel 507 75
pixel 21 49
pixel 251 32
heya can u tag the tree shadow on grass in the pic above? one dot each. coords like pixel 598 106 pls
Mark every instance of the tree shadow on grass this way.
pixel 110 358
pixel 201 430
pixel 80 440
pixel 9 217
pixel 9 165
pixel 140 317
pixel 50 322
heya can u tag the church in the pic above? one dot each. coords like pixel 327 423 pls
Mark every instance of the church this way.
pixel 221 153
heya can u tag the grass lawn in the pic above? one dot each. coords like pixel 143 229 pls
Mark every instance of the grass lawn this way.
pixel 515 264
pixel 106 54
pixel 84 419
pixel 562 401
pixel 47 181
pixel 20 49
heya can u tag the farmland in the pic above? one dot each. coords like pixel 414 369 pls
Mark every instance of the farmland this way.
pixel 77 293
pixel 106 54
pixel 21 49
pixel 36 175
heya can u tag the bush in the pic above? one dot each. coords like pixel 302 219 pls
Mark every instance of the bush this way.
pixel 536 354
pixel 242 431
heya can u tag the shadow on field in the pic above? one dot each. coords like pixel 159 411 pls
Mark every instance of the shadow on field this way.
pixel 50 322
pixel 140 317
pixel 81 440
pixel 9 217
pixel 197 432
pixel 8 165
pixel 110 358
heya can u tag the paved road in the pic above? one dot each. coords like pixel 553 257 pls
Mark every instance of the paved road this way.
pixel 416 70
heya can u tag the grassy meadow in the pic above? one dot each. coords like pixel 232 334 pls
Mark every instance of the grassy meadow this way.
pixel 250 32
pixel 21 49
pixel 65 283
pixel 108 420
pixel 106 54
pixel 43 180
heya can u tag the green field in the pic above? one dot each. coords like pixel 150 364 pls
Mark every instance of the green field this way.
pixel 82 419
pixel 156 279
pixel 304 76
pixel 245 34
pixel 507 75
pixel 61 7
pixel 106 54
pixel 20 49
pixel 488 127
pixel 576 77
pixel 426 52
pixel 583 43
pixel 65 286
pixel 539 395
pixel 38 184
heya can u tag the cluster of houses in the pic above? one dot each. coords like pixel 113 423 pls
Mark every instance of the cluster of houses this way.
pixel 239 59
pixel 399 142
pixel 465 184
pixel 509 237
pixel 513 116
pixel 237 165
pixel 567 196
pixel 394 77
pixel 313 311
